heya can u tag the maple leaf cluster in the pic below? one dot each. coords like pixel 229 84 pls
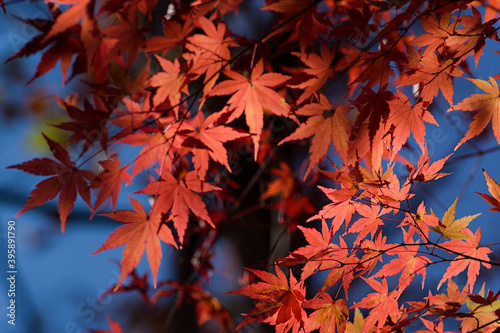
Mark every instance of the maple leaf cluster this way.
pixel 196 97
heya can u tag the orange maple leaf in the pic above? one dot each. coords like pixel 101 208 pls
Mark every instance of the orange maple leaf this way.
pixel 327 125
pixel 319 68
pixel 406 118
pixel 252 96
pixel 425 171
pixel 171 83
pixel 372 251
pixel 491 9
pixel 409 263
pixel 114 327
pixel 310 255
pixel 432 327
pixel 340 209
pixel 489 106
pixel 438 32
pixel 470 248
pixel 78 9
pixel 141 231
pixel 494 189
pixel 210 51
pixel 448 303
pixel 383 303
pixel 421 222
pixel 284 184
pixel 328 315
pixel 343 265
pixel 370 221
pixel 66 181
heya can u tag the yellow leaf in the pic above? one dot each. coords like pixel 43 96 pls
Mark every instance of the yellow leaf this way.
pixel 451 228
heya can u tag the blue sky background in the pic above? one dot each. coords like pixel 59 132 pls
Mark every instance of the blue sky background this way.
pixel 58 281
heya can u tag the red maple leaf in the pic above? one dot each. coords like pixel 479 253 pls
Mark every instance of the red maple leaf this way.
pixel 141 231
pixel 223 6
pixel 208 307
pixel 489 106
pixel 206 142
pixel 374 107
pixel 160 144
pixel 298 16
pixel 448 303
pixel 358 27
pixel 373 67
pixel 432 327
pixel 80 10
pixel 327 125
pixel 67 180
pixel 62 47
pixel 110 180
pixel 87 125
pixel 130 37
pixel 279 303
pixel 173 35
pixel 477 31
pixel 252 96
pixel 179 196
pixel 131 120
